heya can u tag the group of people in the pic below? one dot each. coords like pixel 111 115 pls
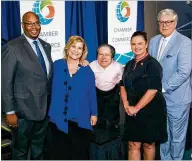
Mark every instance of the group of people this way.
pixel 53 107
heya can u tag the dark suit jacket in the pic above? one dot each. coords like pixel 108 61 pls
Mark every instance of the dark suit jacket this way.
pixel 25 87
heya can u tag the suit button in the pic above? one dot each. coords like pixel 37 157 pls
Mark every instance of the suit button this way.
pixel 65 112
pixel 66 108
pixel 69 88
pixel 66 96
pixel 65 120
pixel 66 100
pixel 65 83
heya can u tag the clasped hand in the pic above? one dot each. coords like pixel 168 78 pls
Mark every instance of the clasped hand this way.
pixel 131 110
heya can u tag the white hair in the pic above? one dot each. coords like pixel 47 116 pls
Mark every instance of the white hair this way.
pixel 168 12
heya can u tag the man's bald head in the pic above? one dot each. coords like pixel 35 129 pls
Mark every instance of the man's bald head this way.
pixel 28 14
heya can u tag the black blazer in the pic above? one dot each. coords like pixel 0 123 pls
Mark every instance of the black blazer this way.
pixel 25 87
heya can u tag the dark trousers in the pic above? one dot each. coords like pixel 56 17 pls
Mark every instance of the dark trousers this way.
pixel 29 135
pixel 71 146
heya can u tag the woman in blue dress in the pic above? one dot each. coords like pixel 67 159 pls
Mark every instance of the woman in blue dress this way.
pixel 73 109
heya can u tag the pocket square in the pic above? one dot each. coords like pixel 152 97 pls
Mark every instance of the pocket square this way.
pixel 168 56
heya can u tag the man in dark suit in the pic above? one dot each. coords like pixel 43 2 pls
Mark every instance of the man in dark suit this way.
pixel 26 85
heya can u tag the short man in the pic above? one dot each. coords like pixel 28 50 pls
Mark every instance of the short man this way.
pixel 26 85
pixel 108 74
pixel 174 52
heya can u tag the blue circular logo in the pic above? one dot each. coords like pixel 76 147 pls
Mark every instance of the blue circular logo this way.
pixel 46 7
pixel 123 11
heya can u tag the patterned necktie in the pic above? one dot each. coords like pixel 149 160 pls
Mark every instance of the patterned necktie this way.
pixel 40 57
pixel 161 50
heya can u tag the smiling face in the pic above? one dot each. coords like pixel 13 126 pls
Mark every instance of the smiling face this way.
pixel 75 48
pixel 138 45
pixel 167 25
pixel 75 51
pixel 31 25
pixel 167 19
pixel 104 56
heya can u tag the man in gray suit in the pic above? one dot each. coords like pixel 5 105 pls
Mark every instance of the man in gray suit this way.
pixel 26 85
pixel 174 52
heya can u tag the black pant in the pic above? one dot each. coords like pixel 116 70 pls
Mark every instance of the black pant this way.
pixel 71 146
pixel 29 135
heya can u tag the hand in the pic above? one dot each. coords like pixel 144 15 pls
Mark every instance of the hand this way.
pixel 84 63
pixel 132 111
pixel 93 120
pixel 11 120
pixel 126 108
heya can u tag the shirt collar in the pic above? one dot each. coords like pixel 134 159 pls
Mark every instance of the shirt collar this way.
pixel 31 40
pixel 142 60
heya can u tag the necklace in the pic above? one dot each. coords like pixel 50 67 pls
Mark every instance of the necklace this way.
pixel 137 60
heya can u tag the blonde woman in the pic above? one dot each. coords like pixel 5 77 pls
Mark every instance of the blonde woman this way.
pixel 73 109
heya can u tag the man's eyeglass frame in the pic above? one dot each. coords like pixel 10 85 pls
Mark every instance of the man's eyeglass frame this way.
pixel 167 23
pixel 30 24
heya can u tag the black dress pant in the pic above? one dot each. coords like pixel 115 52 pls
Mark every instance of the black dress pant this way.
pixel 29 136
pixel 71 146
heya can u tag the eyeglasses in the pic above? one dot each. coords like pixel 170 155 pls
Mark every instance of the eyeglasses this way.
pixel 30 24
pixel 167 23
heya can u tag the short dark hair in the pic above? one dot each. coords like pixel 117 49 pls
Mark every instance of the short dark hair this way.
pixel 112 49
pixel 140 33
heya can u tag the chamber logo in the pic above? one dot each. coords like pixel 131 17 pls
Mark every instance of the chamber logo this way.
pixel 45 11
pixel 123 11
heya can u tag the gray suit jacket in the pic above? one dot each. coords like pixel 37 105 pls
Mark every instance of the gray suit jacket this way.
pixel 177 65
pixel 25 87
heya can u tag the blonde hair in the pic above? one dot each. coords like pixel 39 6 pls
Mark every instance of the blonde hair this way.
pixel 168 12
pixel 72 41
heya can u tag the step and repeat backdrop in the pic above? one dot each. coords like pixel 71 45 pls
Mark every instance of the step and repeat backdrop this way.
pixel 122 23
pixel 52 18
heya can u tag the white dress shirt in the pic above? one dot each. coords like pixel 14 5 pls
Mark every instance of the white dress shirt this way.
pixel 160 44
pixel 166 39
